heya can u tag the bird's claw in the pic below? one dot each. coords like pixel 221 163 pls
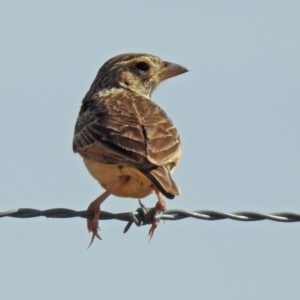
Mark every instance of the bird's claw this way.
pixel 159 208
pixel 93 226
pixel 95 234
pixel 152 228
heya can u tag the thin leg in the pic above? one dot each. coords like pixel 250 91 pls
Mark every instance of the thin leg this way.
pixel 159 207
pixel 92 224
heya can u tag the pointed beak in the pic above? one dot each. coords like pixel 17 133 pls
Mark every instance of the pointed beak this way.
pixel 170 70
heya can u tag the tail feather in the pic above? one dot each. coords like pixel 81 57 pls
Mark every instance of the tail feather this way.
pixel 161 177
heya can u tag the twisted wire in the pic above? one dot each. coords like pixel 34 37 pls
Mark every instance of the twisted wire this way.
pixel 144 215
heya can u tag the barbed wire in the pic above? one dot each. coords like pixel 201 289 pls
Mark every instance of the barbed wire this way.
pixel 144 215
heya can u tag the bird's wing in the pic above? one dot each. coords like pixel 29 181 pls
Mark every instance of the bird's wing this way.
pixel 128 129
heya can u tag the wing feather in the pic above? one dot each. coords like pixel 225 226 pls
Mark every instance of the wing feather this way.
pixel 125 128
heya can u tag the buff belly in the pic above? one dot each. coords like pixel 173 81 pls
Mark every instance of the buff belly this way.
pixel 137 186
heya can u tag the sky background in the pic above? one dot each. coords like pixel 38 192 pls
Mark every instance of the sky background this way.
pixel 237 111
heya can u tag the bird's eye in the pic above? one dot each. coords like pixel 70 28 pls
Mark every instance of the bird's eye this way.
pixel 142 66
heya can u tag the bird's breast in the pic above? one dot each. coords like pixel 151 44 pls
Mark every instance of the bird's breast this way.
pixel 137 186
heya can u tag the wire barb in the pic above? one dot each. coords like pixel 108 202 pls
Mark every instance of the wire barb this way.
pixel 142 216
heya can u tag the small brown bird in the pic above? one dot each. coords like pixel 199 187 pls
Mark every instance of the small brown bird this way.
pixel 127 142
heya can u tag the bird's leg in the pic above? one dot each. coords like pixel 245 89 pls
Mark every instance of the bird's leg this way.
pixel 159 207
pixel 92 224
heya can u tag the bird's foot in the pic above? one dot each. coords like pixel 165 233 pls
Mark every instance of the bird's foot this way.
pixel 159 207
pixel 93 224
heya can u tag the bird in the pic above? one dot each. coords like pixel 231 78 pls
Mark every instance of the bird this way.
pixel 127 142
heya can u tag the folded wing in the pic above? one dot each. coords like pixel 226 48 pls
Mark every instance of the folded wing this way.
pixel 128 129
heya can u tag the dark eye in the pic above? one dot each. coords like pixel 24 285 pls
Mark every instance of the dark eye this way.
pixel 142 66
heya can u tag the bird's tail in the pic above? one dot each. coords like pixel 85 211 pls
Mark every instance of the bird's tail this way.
pixel 161 177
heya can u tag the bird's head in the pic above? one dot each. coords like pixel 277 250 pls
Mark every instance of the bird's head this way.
pixel 140 73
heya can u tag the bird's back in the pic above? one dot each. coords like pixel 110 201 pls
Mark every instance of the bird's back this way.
pixel 120 127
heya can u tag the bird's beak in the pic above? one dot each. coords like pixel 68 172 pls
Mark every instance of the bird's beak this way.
pixel 170 70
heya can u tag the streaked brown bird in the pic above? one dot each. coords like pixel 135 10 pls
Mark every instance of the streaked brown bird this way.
pixel 127 142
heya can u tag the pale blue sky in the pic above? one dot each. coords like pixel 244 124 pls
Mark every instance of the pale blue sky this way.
pixel 237 111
